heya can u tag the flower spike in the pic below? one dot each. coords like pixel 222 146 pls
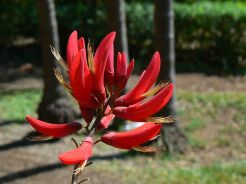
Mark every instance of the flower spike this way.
pixel 53 130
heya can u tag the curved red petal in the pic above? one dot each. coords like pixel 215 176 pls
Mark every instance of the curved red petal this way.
pixel 141 111
pixel 106 120
pixel 100 60
pixel 72 47
pixel 109 70
pixel 81 80
pixel 132 138
pixel 81 43
pixel 53 130
pixel 147 79
pixel 78 155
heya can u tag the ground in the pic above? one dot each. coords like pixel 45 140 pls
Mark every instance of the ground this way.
pixel 211 111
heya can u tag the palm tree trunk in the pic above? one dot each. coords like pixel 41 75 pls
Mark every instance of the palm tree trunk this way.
pixel 172 136
pixel 54 106
pixel 117 22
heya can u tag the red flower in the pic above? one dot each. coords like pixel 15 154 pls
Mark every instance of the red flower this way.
pixel 96 85
pixel 89 79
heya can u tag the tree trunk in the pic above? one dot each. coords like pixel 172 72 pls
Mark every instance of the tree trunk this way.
pixel 117 22
pixel 172 136
pixel 54 106
pixel 116 17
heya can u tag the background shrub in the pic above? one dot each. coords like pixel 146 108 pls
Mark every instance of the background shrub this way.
pixel 208 33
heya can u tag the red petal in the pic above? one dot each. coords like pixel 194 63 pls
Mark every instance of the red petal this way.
pixel 87 114
pixel 109 70
pixel 141 111
pixel 81 43
pixel 72 47
pixel 147 79
pixel 81 80
pixel 53 130
pixel 78 155
pixel 100 59
pixel 132 138
pixel 105 121
pixel 123 79
pixel 121 64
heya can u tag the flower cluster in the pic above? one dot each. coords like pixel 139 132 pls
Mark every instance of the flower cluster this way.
pixel 97 84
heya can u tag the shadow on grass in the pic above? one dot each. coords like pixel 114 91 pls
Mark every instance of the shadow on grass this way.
pixel 47 168
pixel 29 172
pixel 25 142
pixel 8 122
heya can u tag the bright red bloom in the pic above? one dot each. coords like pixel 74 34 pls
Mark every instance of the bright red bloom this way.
pixel 53 130
pixel 96 84
pixel 132 138
pixel 78 155
pixel 88 83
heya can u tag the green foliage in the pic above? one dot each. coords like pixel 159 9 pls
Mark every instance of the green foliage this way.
pixel 212 32
pixel 17 18
pixel 210 35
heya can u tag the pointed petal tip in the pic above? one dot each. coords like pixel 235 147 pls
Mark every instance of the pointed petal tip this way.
pixel 111 35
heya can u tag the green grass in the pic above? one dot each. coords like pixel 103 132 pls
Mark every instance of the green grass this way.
pixel 15 105
pixel 160 173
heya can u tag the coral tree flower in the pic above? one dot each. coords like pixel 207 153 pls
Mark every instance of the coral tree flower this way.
pixel 96 82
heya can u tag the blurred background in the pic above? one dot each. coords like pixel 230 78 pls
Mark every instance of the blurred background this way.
pixel 203 49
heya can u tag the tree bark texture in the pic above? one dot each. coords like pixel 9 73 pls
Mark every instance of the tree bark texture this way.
pixel 172 136
pixel 116 15
pixel 55 105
